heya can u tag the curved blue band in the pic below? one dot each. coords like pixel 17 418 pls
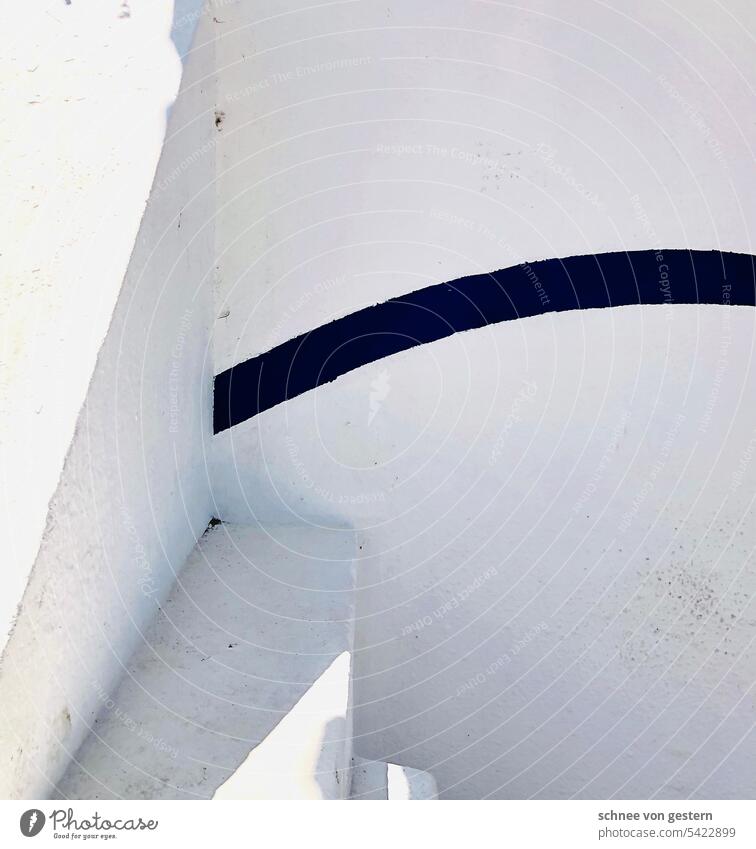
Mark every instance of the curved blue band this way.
pixel 425 315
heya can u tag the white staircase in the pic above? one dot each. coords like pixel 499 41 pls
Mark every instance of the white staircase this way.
pixel 241 686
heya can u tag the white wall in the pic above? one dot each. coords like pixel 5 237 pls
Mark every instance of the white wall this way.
pixel 87 89
pixel 133 496
pixel 555 514
pixel 367 150
pixel 332 197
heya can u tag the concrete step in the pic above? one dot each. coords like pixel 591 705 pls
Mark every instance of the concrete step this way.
pixel 241 688
pixel 385 781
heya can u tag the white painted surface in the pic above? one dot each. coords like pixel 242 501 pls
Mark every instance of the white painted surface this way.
pixel 304 756
pixel 133 495
pixel 608 594
pixel 241 687
pixel 408 785
pixel 83 105
pixel 556 573
pixel 370 149
pixel 379 781
pixel 544 526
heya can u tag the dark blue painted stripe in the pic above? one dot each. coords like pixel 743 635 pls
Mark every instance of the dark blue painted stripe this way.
pixel 553 285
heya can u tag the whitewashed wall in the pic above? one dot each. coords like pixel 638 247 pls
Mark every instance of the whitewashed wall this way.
pixel 132 496
pixel 555 514
pixel 87 88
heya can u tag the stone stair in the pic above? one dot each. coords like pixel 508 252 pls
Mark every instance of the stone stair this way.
pixel 241 687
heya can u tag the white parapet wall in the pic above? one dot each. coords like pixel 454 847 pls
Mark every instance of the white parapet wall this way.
pixel 132 497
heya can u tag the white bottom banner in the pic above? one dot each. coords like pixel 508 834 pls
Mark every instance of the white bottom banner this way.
pixel 519 824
